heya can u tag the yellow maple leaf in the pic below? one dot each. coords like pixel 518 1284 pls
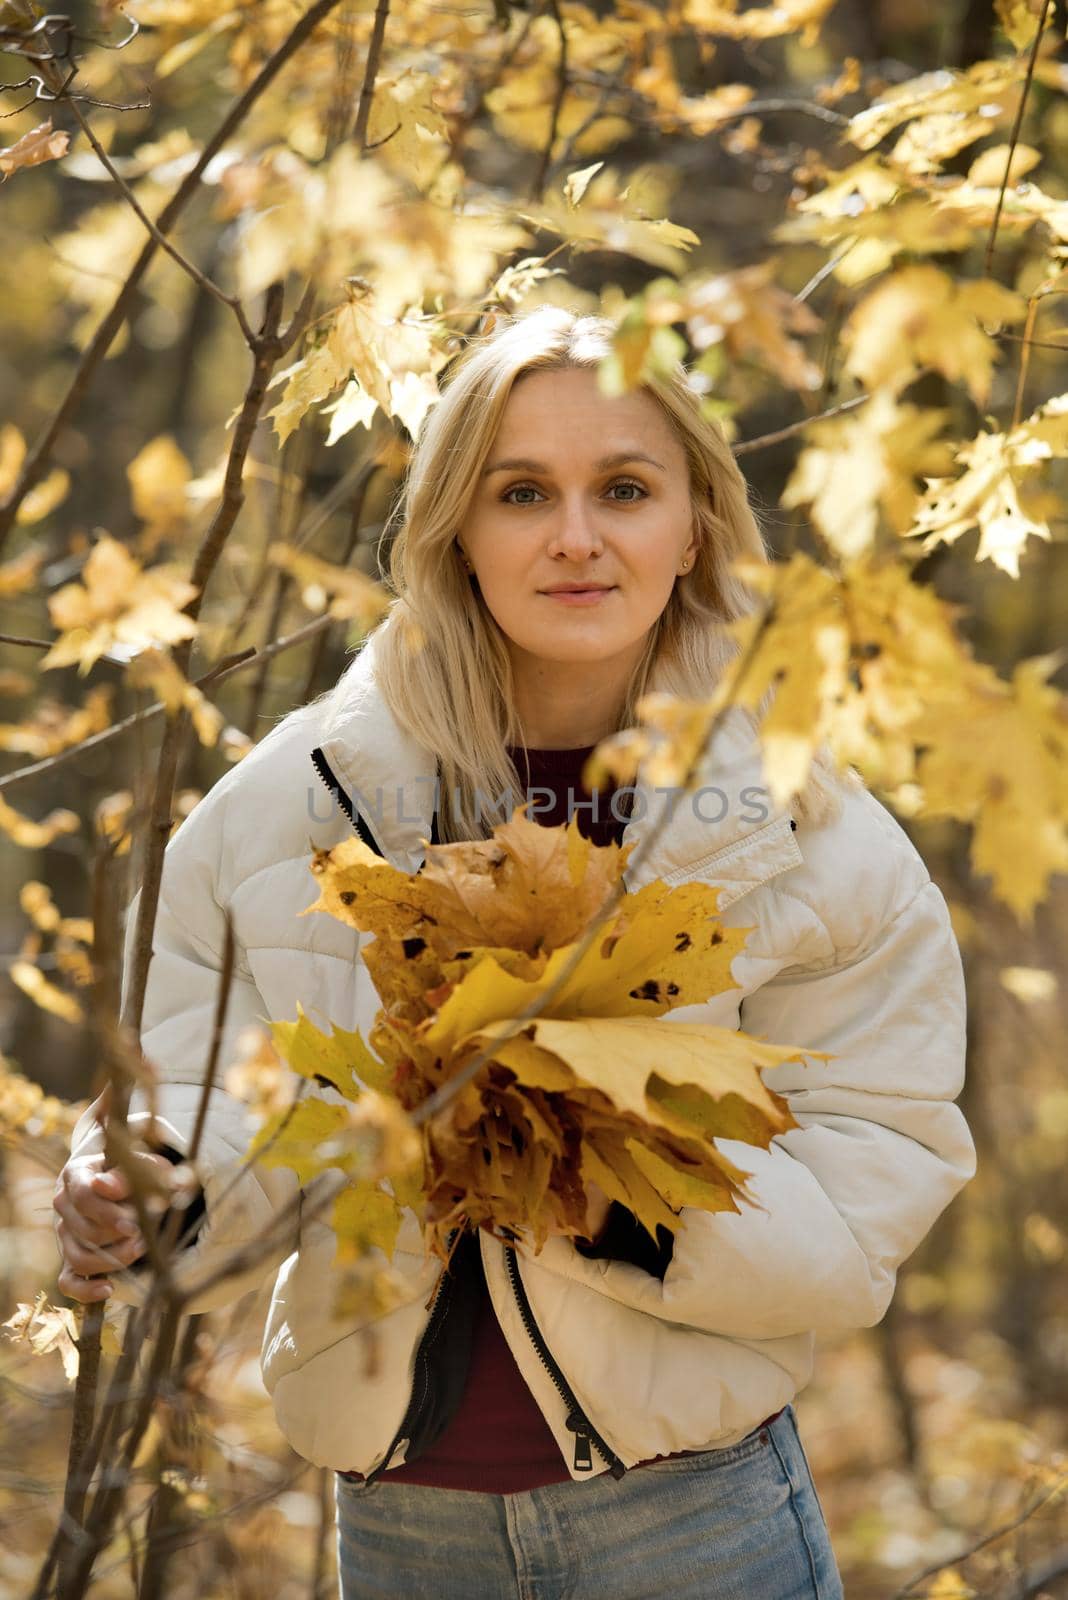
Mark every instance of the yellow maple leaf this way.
pixel 339 1060
pixel 1000 761
pixel 32 981
pixel 863 465
pixel 36 835
pixel 993 492
pixel 153 669
pixel 42 143
pixel 348 593
pixel 158 477
pixel 117 603
pixel 920 317
pixel 755 319
pixel 483 933
pixel 1021 19
pixel 46 1328
pixel 986 84
pixel 758 22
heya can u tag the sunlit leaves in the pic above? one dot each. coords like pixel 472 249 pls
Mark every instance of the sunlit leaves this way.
pixel 46 1328
pixel 736 21
pixel 858 468
pixel 26 1112
pixel 346 592
pixel 153 669
pixel 43 143
pixel 158 476
pixel 383 362
pixel 954 94
pixel 996 490
pixel 920 316
pixel 117 603
pixel 1000 761
pixel 36 835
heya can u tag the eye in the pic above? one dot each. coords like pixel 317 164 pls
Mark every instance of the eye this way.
pixel 518 488
pixel 629 483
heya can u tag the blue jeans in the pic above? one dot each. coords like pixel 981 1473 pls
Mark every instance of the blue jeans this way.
pixel 743 1523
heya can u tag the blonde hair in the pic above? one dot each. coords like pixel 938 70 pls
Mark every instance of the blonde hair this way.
pixel 441 663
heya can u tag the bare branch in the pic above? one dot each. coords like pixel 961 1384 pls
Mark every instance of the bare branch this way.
pixel 747 446
pixel 374 58
pixel 206 283
pixel 1014 137
pixel 236 663
pixel 538 187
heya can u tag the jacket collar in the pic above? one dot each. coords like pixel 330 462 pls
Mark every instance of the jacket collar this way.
pixel 392 779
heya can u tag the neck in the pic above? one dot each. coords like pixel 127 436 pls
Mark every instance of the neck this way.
pixel 563 705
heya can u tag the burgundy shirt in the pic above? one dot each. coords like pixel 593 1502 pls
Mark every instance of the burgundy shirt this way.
pixel 498 1440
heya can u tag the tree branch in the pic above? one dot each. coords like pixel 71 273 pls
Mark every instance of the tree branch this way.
pixel 367 90
pixel 1014 137
pixel 161 239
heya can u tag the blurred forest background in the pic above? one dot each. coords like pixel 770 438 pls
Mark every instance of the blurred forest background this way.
pixel 939 1440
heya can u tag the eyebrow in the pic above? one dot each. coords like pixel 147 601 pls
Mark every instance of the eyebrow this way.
pixel 525 464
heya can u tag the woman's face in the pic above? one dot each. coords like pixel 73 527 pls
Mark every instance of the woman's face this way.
pixel 579 488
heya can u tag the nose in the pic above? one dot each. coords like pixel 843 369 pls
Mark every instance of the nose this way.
pixel 575 532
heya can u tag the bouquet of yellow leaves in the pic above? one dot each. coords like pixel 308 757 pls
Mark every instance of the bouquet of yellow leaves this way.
pixel 595 1088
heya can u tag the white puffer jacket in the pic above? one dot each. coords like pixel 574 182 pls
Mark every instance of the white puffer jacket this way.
pixel 852 952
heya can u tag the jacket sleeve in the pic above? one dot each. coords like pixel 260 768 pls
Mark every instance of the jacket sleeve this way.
pixel 881 1150
pixel 180 1001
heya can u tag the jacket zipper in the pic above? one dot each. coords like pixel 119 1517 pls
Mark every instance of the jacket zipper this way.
pixel 577 1420
pixel 421 1373
pixel 325 771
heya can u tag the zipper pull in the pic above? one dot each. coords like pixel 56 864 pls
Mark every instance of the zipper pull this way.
pixel 580 1428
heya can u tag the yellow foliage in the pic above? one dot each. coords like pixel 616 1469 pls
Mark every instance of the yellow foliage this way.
pixel 46 1328
pixel 158 476
pixel 346 592
pixel 594 1087
pixel 32 981
pixel 117 603
pixel 152 669
pixel 919 316
pixel 996 490
pixel 42 143
pixel 733 21
pixel 36 835
pixel 863 465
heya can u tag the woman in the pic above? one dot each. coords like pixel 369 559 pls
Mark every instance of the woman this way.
pixel 603 1418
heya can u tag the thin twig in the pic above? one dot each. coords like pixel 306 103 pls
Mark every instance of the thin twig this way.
pixel 367 90
pixel 211 546
pixel 988 1538
pixel 765 439
pixel 1015 135
pixel 201 278
pixel 36 461
pixel 18 638
pixel 538 186
pixel 231 664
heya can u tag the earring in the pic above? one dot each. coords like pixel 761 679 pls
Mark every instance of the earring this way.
pixel 686 564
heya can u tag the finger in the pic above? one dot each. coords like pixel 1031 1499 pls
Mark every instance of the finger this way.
pixel 87 1290
pixel 86 1259
pixel 101 1219
pixel 118 1225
